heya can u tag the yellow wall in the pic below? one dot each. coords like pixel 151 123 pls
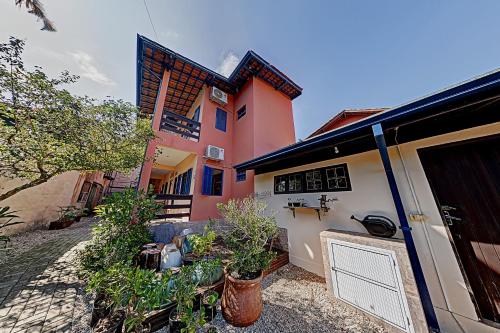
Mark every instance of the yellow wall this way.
pixel 39 205
pixel 370 194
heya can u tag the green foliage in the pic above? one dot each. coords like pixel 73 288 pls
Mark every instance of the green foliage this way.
pixel 134 290
pixel 202 244
pixel 210 297
pixel 9 215
pixel 184 293
pixel 119 235
pixel 251 230
pixel 45 130
pixel 35 7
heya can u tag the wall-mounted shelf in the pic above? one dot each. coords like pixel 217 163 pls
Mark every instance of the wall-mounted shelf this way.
pixel 318 209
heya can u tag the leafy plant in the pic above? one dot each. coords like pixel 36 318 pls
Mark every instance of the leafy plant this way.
pixel 46 131
pixel 202 244
pixel 6 213
pixel 210 298
pixel 184 292
pixel 122 230
pixel 251 229
pixel 134 290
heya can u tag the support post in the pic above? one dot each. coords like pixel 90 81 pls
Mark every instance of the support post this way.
pixel 430 314
pixel 149 154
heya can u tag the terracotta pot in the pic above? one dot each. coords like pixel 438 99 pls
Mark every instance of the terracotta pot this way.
pixel 241 301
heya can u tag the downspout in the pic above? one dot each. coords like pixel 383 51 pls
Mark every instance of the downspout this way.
pixel 424 227
pixel 425 298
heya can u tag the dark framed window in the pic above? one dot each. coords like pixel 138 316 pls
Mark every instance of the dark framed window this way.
pixel 221 119
pixel 241 176
pixel 313 180
pixel 242 111
pixel 280 184
pixel 212 181
pixel 295 182
pixel 333 178
pixel 196 114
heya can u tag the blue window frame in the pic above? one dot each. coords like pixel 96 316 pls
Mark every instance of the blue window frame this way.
pixel 241 176
pixel 220 119
pixel 212 181
pixel 196 115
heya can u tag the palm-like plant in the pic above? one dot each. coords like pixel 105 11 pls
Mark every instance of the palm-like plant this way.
pixel 6 213
pixel 35 7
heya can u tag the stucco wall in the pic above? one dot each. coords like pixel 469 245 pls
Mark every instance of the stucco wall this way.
pixel 39 205
pixel 370 194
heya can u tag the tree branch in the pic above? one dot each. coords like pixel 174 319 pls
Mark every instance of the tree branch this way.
pixel 15 190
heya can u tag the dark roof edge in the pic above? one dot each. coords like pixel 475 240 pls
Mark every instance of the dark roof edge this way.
pixel 466 87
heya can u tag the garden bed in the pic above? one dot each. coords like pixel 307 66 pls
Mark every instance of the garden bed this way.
pixel 157 319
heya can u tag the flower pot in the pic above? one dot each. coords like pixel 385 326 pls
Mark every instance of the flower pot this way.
pixel 175 325
pixel 241 301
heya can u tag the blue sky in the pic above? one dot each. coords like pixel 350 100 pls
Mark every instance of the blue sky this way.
pixel 344 54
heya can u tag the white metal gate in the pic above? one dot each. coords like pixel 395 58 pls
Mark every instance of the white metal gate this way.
pixel 369 279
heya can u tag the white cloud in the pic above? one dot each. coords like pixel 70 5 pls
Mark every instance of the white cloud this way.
pixel 228 64
pixel 88 68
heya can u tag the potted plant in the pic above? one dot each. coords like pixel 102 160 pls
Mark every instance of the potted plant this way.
pixel 208 304
pixel 208 271
pixel 250 230
pixel 182 318
pixel 200 245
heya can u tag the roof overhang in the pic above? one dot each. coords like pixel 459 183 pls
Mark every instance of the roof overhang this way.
pixel 469 104
pixel 187 77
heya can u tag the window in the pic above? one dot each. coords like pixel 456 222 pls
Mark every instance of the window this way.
pixel 280 184
pixel 220 119
pixel 329 179
pixel 196 115
pixel 336 178
pixel 84 192
pixel 313 180
pixel 242 111
pixel 212 181
pixel 295 183
pixel 241 176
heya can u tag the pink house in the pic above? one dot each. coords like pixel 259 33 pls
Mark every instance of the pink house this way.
pixel 205 124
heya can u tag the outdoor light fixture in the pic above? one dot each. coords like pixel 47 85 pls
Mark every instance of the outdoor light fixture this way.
pixel 336 149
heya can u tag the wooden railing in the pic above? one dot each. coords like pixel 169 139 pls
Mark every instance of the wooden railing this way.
pixel 174 205
pixel 185 127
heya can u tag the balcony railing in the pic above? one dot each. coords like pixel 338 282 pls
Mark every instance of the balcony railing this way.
pixel 183 126
pixel 174 205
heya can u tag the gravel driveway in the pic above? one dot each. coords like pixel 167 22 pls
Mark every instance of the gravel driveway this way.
pixel 297 301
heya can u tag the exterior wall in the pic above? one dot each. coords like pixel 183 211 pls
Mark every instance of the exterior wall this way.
pixel 254 134
pixel 370 194
pixel 38 206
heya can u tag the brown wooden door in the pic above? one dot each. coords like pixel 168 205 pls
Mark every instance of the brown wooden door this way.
pixel 465 179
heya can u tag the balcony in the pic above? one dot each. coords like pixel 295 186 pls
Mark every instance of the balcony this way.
pixel 184 127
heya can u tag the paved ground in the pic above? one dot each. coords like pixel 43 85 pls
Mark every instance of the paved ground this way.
pixel 39 289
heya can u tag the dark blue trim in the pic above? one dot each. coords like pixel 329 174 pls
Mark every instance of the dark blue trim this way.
pixel 488 81
pixel 241 176
pixel 423 291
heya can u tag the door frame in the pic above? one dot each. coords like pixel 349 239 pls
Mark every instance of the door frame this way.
pixel 443 220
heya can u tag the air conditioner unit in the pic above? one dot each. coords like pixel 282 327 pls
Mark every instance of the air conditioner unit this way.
pixel 218 96
pixel 214 153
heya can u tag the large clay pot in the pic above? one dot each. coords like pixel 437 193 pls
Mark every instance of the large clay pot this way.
pixel 241 301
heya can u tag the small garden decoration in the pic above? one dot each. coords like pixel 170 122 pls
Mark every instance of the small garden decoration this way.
pixel 251 231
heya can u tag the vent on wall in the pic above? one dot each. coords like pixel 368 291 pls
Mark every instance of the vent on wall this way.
pixel 369 279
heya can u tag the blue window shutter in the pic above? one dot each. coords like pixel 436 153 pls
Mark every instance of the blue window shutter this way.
pixel 207 181
pixel 220 119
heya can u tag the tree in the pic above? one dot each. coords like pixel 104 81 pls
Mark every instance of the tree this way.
pixel 45 130
pixel 35 7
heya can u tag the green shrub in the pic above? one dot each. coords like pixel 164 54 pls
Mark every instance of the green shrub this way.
pixel 251 230
pixel 120 233
pixel 202 244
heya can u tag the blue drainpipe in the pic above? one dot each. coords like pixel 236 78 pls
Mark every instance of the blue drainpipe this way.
pixel 430 315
